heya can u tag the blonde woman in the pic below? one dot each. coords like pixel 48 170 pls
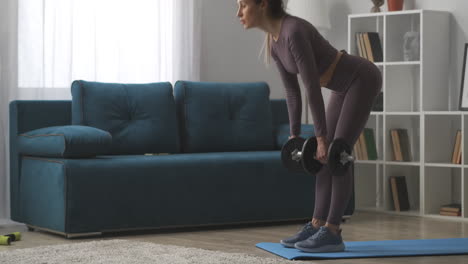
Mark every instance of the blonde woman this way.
pixel 299 49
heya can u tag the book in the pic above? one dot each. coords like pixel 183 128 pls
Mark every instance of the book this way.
pixel 368 46
pixel 397 156
pixel 450 213
pixel 364 50
pixel 362 141
pixel 453 207
pixel 376 46
pixel 399 192
pixel 456 147
pixel 370 143
pixel 358 45
pixel 405 145
pixel 357 150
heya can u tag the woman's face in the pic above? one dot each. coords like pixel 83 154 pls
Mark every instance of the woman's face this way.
pixel 249 12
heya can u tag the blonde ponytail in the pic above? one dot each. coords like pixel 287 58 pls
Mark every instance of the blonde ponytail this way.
pixel 266 49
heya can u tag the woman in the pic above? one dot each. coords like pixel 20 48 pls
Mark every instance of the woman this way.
pixel 298 48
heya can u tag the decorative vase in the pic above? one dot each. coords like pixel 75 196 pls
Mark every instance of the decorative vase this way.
pixel 377 5
pixel 395 5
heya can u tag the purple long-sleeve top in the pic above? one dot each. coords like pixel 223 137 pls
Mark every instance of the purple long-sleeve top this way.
pixel 301 49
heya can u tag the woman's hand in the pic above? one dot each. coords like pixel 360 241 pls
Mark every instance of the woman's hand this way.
pixel 322 150
pixel 293 136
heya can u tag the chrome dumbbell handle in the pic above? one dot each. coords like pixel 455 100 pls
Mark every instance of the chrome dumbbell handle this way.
pixel 345 158
pixel 296 155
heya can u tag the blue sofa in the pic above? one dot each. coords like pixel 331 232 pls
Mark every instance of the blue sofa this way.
pixel 145 156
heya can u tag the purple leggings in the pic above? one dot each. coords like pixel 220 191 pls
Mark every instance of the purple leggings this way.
pixel 346 116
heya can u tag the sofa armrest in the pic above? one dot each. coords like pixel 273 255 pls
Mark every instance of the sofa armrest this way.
pixel 65 142
pixel 27 115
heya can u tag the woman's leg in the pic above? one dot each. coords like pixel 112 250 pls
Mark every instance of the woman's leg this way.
pixel 323 179
pixel 354 114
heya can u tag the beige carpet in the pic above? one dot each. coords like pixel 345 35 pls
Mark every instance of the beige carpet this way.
pixel 124 251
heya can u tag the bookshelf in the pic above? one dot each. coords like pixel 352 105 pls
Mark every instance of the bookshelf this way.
pixel 417 98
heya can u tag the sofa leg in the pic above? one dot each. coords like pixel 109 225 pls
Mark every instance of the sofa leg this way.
pixel 77 235
pixel 66 235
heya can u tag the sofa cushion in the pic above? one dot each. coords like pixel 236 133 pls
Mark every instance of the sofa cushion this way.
pixel 140 117
pixel 224 116
pixel 65 142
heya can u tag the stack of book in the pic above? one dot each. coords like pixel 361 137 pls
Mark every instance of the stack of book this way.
pixel 400 144
pixel 456 154
pixel 399 193
pixel 453 209
pixel 369 46
pixel 365 148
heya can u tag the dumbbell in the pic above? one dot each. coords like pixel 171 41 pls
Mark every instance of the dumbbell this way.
pixel 15 236
pixel 298 155
pixel 7 239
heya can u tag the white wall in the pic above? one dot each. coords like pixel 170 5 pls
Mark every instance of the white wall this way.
pixel 229 53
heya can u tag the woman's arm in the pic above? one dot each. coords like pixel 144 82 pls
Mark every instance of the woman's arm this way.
pixel 293 97
pixel 303 53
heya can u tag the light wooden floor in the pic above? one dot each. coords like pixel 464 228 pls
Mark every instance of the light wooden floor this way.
pixel 242 239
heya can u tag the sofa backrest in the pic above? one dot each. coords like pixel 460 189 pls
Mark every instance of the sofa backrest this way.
pixel 140 117
pixel 224 116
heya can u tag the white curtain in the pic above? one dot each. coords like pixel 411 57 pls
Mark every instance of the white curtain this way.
pixel 106 40
pixel 46 44
pixel 8 80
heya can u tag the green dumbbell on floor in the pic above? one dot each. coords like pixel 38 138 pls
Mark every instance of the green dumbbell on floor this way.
pixel 15 236
pixel 7 239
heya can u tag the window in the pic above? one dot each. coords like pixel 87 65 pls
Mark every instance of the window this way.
pixel 97 40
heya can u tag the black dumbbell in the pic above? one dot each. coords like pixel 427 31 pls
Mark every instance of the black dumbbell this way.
pixel 339 157
pixel 298 155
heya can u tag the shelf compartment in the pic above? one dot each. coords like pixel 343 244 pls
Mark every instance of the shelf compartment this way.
pixel 412 125
pixel 375 122
pixel 412 179
pixel 437 95
pixel 439 137
pixel 441 186
pixel 397 27
pixel 364 24
pixel 368 186
pixel 402 92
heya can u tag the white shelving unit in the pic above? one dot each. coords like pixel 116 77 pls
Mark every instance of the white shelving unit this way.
pixel 417 98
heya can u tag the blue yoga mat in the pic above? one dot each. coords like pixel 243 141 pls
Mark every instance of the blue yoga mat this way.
pixel 378 249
